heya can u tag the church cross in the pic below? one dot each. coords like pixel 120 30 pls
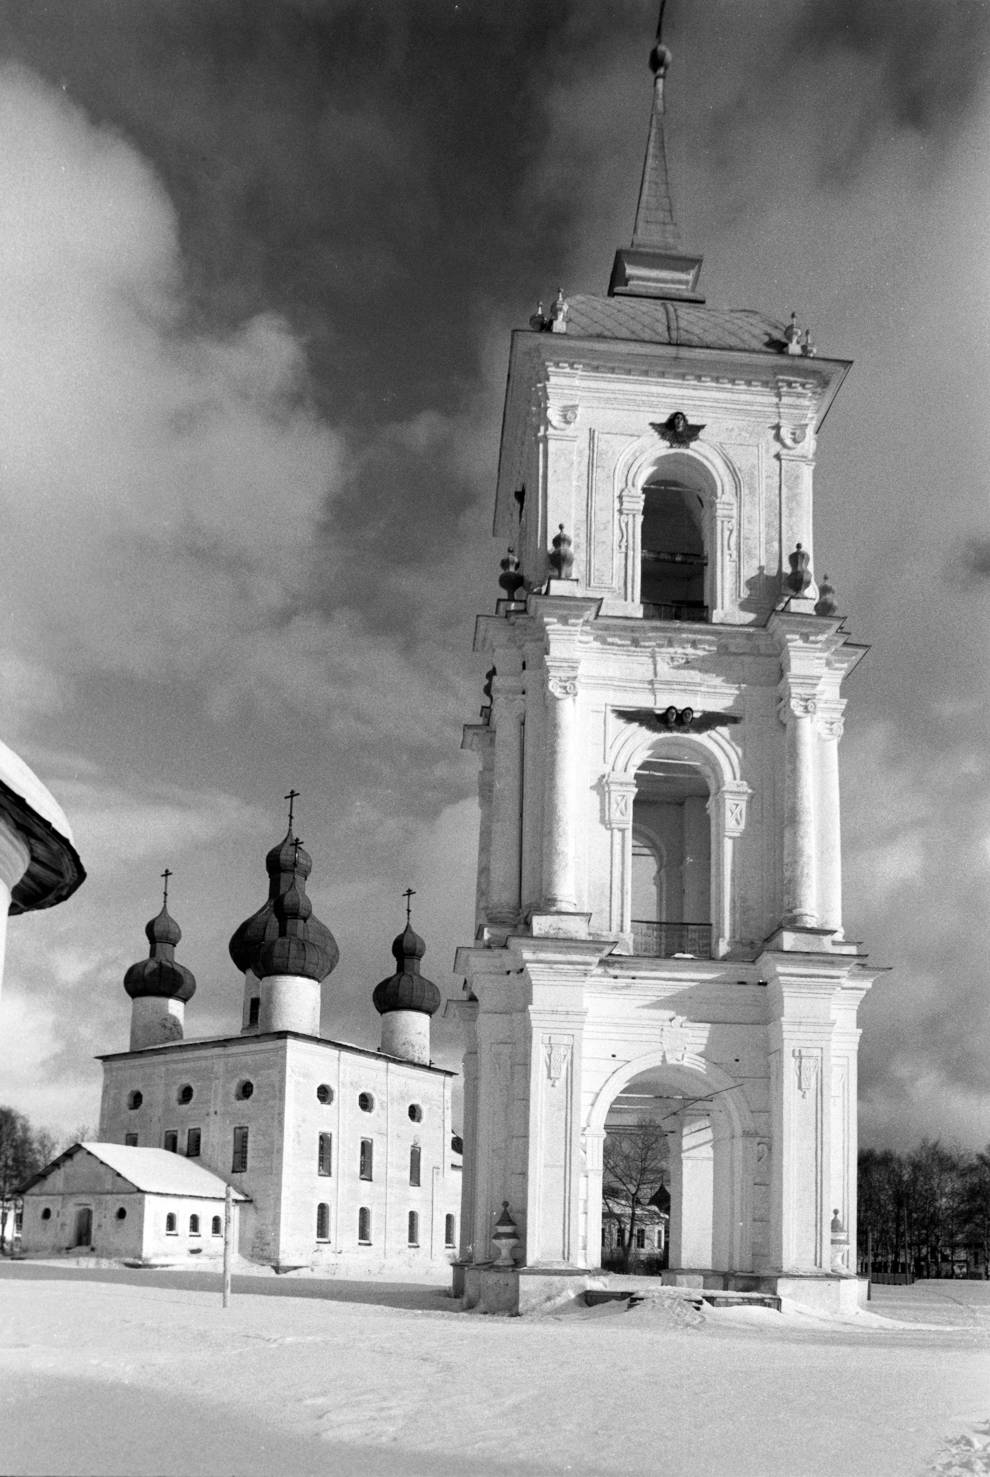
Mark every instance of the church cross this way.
pixel 165 876
pixel 408 895
pixel 292 797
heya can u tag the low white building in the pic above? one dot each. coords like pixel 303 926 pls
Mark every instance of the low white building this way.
pixel 345 1154
pixel 140 1204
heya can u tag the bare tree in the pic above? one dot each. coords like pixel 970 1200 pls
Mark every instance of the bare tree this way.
pixel 633 1167
pixel 20 1158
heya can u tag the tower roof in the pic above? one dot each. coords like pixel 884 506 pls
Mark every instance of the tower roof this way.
pixel 159 975
pixel 654 265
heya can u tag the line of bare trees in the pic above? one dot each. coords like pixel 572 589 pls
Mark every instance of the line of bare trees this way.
pixel 925 1213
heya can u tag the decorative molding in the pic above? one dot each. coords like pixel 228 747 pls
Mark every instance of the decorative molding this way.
pixel 558 1051
pixel 562 680
pixel 561 417
pixel 677 430
pixel 805 1069
pixel 674 1041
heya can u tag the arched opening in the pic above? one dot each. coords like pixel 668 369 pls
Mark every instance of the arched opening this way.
pixel 671 903
pixel 670 1149
pixel 673 555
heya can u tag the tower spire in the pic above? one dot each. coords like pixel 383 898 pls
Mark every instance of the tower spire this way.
pixel 654 265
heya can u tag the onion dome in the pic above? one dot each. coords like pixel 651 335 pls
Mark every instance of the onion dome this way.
pixel 407 989
pixel 295 942
pixel 159 975
pixel 286 862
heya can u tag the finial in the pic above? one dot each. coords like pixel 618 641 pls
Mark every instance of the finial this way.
pixel 511 578
pixel 561 556
pixel 165 876
pixel 826 603
pixel 800 576
pixel 558 313
pixel 538 320
pixel 409 894
pixel 660 57
pixel 292 797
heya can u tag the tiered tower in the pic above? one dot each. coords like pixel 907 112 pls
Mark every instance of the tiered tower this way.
pixel 659 927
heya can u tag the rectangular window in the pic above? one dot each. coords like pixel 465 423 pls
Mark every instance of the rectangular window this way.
pixel 448 1231
pixel 640 1239
pixel 171 1140
pixel 254 1010
pixel 323 1222
pixel 324 1157
pixel 366 1162
pixel 415 1161
pixel 413 1228
pixel 130 1140
pixel 194 1139
pixel 364 1225
pixel 239 1162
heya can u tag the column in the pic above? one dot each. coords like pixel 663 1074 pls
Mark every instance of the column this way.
pixel 800 902
pixel 620 793
pixel 630 541
pixel 559 819
pixel 829 826
pixel 552 1212
pixel 692 1191
pixel 506 812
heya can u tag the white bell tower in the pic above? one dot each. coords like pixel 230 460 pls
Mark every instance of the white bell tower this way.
pixel 659 926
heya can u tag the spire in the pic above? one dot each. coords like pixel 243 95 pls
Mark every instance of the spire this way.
pixel 159 975
pixel 654 265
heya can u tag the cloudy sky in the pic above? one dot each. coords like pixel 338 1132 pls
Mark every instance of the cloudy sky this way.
pixel 258 264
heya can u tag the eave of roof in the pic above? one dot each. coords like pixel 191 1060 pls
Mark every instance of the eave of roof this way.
pixel 243 1039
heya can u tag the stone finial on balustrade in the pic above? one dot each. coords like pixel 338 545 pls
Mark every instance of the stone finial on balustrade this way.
pixel 511 579
pixel 825 605
pixel 800 576
pixel 561 555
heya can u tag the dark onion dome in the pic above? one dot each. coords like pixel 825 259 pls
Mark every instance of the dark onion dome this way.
pixel 300 944
pixel 286 860
pixel 159 975
pixel 407 989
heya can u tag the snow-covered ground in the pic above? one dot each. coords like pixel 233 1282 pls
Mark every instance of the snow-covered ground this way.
pixel 147 1373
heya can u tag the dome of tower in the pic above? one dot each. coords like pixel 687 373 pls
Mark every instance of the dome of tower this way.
pixel 407 989
pixel 295 942
pixel 159 975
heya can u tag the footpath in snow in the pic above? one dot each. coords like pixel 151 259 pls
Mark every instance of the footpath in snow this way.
pixel 105 1372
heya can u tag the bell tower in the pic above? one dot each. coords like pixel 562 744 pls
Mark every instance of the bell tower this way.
pixel 659 924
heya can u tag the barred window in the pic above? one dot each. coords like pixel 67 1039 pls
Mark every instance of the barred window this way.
pixel 323 1222
pixel 415 1164
pixel 171 1224
pixel 239 1161
pixel 194 1140
pixel 413 1236
pixel 366 1160
pixel 194 1225
pixel 324 1158
pixel 216 1226
pixel 364 1225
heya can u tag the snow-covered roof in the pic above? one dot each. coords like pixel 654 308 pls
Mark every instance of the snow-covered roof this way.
pixel 151 1171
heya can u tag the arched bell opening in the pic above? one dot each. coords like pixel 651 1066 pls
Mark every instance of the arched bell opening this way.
pixel 671 872
pixel 673 552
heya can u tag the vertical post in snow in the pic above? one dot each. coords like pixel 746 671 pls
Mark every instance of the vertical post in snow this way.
pixel 228 1229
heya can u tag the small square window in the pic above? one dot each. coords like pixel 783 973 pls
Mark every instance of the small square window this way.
pixel 194 1139
pixel 171 1140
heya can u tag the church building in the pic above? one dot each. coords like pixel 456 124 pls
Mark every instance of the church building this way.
pixel 659 913
pixel 343 1157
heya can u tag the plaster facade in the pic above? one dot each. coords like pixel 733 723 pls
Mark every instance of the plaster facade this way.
pixel 308 1105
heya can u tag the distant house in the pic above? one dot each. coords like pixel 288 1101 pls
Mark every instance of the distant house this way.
pixel 121 1202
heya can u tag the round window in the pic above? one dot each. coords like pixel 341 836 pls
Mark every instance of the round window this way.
pixel 415 1112
pixel 135 1099
pixel 46 1214
pixel 365 1102
pixel 185 1094
pixel 122 1214
pixel 324 1094
pixel 244 1089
